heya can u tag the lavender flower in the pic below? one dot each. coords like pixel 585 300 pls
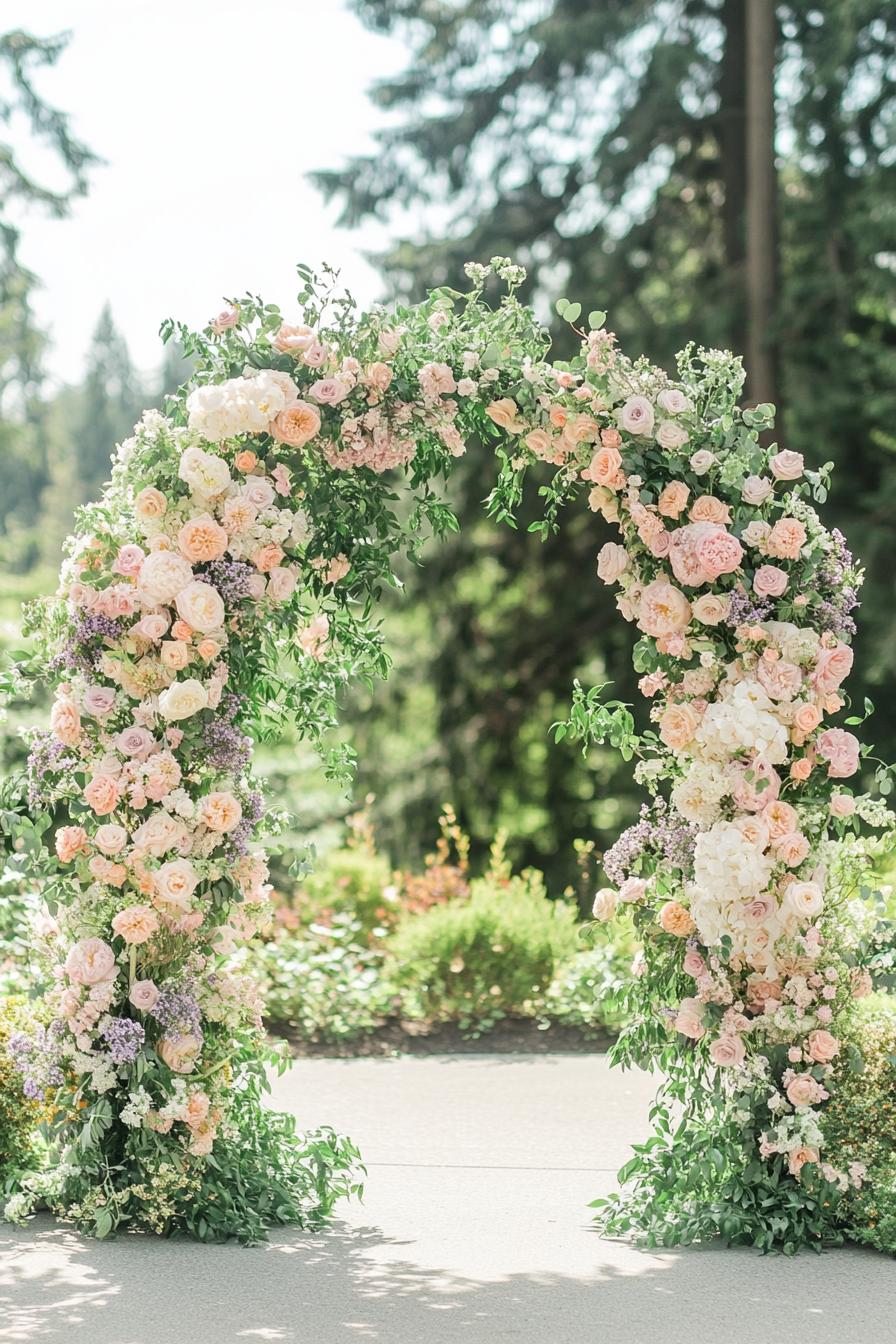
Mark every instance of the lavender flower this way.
pixel 837 579
pixel 660 833
pixel 746 609
pixel 124 1038
pixel 231 578
pixel 225 747
pixel 177 1011
pixel 37 1057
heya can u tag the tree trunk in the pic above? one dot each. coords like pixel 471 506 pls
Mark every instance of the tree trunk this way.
pixel 733 156
pixel 761 201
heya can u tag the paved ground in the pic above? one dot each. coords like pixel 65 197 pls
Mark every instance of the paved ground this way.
pixel 474 1231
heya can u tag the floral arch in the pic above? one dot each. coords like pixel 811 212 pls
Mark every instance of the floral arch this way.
pixel 257 519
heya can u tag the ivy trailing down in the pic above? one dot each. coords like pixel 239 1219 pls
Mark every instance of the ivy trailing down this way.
pixel 227 583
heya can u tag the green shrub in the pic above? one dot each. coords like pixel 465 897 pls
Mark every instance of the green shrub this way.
pixel 352 881
pixel 19 1117
pixel 324 982
pixel 478 960
pixel 860 1119
pixel 584 992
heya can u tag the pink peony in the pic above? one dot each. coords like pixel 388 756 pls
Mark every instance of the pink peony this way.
pixel 663 609
pixel 136 924
pixel 841 751
pixel 90 962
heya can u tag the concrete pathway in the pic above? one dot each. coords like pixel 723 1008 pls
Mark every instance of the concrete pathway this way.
pixel 474 1230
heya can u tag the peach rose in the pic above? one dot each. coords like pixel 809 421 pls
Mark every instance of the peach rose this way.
pixel 150 504
pixel 65 721
pixel 208 649
pixel 678 725
pixel 506 415
pixel 710 609
pixel 604 468
pixel 769 581
pixel 801 770
pixel 202 539
pixel 296 425
pixel 245 460
pixel 136 924
pixel 822 1046
pixel 152 626
pixel 800 1157
pixel 675 919
pixel 181 1054
pixel 267 558
pixel 539 442
pixel 174 883
pixel 842 805
pixel 806 718
pixel 70 842
pixel 196 1109
pixel 803 1090
pixel 175 655
pixel 708 509
pixel 792 849
pixel 102 794
pixel 689 1019
pixel 220 811
pixel 293 340
pixel 90 962
pixel 673 499
pixel 786 539
pixel 612 560
pixel 663 609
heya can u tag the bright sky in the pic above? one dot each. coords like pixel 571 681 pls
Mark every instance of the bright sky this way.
pixel 209 114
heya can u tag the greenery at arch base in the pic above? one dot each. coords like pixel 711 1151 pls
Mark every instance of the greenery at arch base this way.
pixel 227 582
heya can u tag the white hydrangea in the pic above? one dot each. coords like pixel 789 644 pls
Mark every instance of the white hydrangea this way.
pixel 742 721
pixel 138 1105
pixel 727 864
pixel 240 405
pixel 698 794
pixel 797 645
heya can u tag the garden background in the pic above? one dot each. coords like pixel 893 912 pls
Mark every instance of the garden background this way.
pixel 605 148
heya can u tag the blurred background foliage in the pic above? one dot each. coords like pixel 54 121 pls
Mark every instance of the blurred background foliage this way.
pixel 604 146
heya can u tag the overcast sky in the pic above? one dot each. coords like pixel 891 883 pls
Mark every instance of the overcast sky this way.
pixel 209 113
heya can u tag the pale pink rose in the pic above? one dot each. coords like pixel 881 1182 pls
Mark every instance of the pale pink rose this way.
pixel 281 583
pixel 769 581
pixel 842 805
pixel 800 1157
pixel 672 401
pixel 152 626
pixel 128 561
pixel 90 962
pixel 329 391
pixel 822 1046
pixel 110 838
pixel 689 1019
pixel 202 539
pixel 181 1054
pixel 780 818
pixel 293 340
pixel 220 811
pixel 378 376
pixel 841 751
pixel 196 1109
pixel 539 442
pixel 633 889
pixel 786 539
pixel 603 907
pixel 281 478
pixel 612 560
pixel 779 679
pixel 701 461
pixel 174 883
pixel 144 995
pixel 663 609
pixel 163 575
pixel 65 722
pixel 673 498
pixel 756 490
pixel 102 793
pixel 70 842
pixel 134 741
pixel 804 899
pixel 316 355
pixel 637 416
pixel 832 667
pixel 671 436
pixel 756 784
pixel 604 468
pixel 787 466
pixel 806 718
pixel 150 504
pixel 506 415
pixel 678 725
pixel 792 849
pixel 296 425
pixel 228 317
pixel 728 1052
pixel 99 701
pixel 708 509
pixel 136 924
pixel 756 534
pixel 710 608
pixel 159 833
pixel 803 1090
pixel 175 654
pixel 438 379
pixel 693 964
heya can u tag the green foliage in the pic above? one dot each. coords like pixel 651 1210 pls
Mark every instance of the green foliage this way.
pixel 324 982
pixel 476 961
pixel 19 1117
pixel 349 883
pixel 860 1120
pixel 586 990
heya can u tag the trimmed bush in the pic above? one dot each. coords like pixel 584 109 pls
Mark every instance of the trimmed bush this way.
pixel 476 961
pixel 19 1117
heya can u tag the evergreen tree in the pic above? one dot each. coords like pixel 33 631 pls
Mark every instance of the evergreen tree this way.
pixel 613 148
pixel 112 400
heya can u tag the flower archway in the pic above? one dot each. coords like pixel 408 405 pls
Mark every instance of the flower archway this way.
pixel 228 578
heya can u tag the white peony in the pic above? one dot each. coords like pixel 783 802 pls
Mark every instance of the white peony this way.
pixel 203 472
pixel 698 794
pixel 796 645
pixel 162 576
pixel 743 720
pixel 182 699
pixel 201 606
